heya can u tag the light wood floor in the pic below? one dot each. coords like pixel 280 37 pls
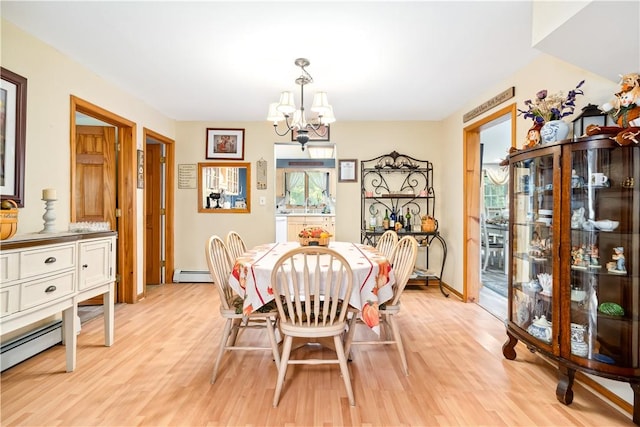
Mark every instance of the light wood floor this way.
pixel 157 373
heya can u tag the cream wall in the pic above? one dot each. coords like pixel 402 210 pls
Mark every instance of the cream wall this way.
pixel 48 107
pixel 545 72
pixel 354 140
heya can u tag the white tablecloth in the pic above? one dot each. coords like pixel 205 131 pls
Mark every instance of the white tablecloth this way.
pixel 372 274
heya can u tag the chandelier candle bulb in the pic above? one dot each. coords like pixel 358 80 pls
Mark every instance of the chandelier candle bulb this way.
pixel 49 194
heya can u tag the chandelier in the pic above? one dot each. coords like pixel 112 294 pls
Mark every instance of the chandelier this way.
pixel 294 118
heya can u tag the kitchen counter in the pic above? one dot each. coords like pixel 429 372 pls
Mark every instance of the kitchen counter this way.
pixel 288 214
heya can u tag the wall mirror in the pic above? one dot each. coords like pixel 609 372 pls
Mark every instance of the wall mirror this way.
pixel 224 187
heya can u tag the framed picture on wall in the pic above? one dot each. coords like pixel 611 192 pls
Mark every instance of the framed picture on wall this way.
pixel 322 130
pixel 347 170
pixel 13 125
pixel 225 144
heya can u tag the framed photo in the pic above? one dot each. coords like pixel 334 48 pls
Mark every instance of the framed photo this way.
pixel 323 130
pixel 225 144
pixel 13 125
pixel 347 170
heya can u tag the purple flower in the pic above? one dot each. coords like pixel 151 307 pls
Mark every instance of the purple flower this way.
pixel 546 107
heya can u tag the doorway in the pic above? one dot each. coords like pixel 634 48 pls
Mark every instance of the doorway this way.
pixel 495 141
pixel 472 184
pixel 158 211
pixel 125 214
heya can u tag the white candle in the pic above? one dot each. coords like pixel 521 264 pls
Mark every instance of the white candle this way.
pixel 49 194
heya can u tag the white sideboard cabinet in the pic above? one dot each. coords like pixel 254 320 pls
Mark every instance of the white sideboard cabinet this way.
pixel 42 275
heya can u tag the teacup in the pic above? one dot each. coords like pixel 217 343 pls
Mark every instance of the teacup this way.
pixel 598 178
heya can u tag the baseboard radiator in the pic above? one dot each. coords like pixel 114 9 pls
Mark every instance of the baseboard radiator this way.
pixel 191 276
pixel 25 346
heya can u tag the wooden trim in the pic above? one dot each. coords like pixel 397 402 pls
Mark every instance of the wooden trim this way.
pixel 169 199
pixel 471 215
pixel 126 179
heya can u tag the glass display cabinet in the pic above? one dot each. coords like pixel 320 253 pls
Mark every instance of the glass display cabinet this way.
pixel 574 278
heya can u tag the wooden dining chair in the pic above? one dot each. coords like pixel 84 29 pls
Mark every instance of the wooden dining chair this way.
pixel 312 286
pixel 220 266
pixel 406 254
pixel 387 243
pixel 235 244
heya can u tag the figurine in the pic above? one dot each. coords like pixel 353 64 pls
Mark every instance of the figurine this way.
pixel 577 218
pixel 625 111
pixel 594 257
pixel 533 136
pixel 617 265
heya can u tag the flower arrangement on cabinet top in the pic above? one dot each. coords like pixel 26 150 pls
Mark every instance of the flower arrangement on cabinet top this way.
pixel 545 107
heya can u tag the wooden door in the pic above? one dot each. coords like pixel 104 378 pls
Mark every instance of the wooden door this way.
pixel 153 214
pixel 95 179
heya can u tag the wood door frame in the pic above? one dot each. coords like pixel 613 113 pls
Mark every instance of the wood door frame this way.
pixel 126 193
pixel 472 169
pixel 169 195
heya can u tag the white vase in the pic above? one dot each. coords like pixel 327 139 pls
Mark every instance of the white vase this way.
pixel 554 130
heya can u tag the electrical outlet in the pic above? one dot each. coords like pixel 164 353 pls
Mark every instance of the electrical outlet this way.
pixel 263 201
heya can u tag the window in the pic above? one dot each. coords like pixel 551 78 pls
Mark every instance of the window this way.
pixel 495 195
pixel 307 188
pixel 222 179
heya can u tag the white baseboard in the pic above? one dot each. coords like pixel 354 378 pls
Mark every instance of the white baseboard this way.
pixel 191 276
pixel 30 344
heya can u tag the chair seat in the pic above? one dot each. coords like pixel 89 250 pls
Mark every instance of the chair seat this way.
pixel 237 303
pixel 311 331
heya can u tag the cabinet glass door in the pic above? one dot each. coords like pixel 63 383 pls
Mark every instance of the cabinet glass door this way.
pixel 605 240
pixel 532 263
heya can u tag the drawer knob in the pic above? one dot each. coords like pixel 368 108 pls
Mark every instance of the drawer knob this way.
pixel 50 289
pixel 50 260
pixel 85 265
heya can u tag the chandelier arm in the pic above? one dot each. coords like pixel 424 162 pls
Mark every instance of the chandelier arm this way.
pixel 316 129
pixel 275 128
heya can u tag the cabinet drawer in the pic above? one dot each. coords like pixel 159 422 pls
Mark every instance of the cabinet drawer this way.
pixel 9 267
pixel 41 291
pixel 47 260
pixel 9 299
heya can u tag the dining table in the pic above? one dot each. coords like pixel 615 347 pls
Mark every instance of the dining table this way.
pixel 373 276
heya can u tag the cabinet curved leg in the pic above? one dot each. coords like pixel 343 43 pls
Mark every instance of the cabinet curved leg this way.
pixel 564 391
pixel 444 259
pixel 509 347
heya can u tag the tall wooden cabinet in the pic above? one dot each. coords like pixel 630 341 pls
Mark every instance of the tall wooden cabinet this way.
pixel 574 278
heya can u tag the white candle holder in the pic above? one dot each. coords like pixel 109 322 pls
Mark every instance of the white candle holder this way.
pixel 49 216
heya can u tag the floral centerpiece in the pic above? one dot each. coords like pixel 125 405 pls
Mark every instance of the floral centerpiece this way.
pixel 311 236
pixel 547 107
pixel 547 112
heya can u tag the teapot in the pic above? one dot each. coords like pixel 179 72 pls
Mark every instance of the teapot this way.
pixel 541 328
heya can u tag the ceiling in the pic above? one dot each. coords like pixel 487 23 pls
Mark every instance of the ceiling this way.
pixel 226 61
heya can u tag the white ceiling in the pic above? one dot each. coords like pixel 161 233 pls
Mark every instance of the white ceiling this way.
pixel 226 61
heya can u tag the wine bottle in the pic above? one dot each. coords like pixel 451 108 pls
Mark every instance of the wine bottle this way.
pixel 392 219
pixel 407 219
pixel 372 223
pixel 400 218
pixel 385 220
